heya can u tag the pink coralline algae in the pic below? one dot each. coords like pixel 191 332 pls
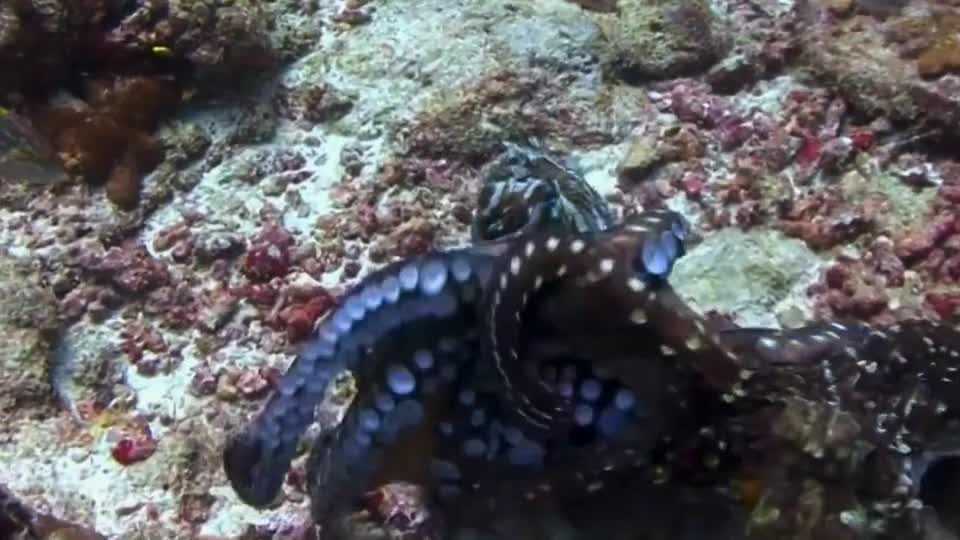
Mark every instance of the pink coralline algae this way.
pixel 144 347
pixel 268 255
pixel 849 290
pixel 299 318
pixel 136 443
pixel 129 267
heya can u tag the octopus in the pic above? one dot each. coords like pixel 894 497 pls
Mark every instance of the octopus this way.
pixel 551 364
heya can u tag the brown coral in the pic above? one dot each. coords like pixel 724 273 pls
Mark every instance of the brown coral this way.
pixel 107 140
pixel 128 64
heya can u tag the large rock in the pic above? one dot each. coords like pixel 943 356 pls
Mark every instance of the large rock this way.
pixel 663 38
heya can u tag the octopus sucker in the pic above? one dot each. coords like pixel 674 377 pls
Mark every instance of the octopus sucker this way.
pixel 483 457
pixel 649 255
pixel 383 306
pixel 385 436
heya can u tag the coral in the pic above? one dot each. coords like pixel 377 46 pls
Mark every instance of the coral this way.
pixel 106 139
pixel 655 40
pixel 212 40
pixel 128 64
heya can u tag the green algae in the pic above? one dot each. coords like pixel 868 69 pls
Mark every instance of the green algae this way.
pixel 907 205
pixel 758 275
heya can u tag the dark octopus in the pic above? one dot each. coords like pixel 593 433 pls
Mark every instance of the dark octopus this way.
pixel 551 362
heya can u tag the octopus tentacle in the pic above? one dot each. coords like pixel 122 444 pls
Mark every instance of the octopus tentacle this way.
pixel 392 412
pixel 652 241
pixel 893 386
pixel 484 462
pixel 436 287
pixel 862 408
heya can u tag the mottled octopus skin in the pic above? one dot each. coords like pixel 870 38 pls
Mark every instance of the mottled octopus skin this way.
pixel 863 410
pixel 476 439
pixel 437 288
pixel 640 253
pixel 526 180
pixel 893 387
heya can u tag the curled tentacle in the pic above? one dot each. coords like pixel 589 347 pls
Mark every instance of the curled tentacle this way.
pixel 441 287
pixel 485 463
pixel 643 249
pixel 862 409
pixel 890 386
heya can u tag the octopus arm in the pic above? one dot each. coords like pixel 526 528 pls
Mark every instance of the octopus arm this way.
pixel 386 304
pixel 485 462
pixel 641 252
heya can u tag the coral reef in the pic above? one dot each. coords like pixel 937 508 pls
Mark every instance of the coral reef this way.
pixel 763 120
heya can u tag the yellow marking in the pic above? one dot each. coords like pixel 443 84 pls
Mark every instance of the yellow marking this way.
pixel 160 50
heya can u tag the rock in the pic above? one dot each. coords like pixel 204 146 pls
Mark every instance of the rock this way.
pixel 641 159
pixel 760 276
pixel 871 76
pixel 657 40
pixel 28 324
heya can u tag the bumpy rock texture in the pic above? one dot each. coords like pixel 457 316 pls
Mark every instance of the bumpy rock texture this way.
pixel 28 335
pixel 656 40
